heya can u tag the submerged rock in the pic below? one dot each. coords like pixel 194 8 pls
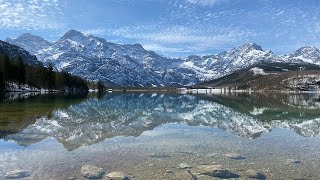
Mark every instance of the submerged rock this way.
pixel 15 174
pixel 184 166
pixel 160 156
pixel 293 161
pixel 117 176
pixel 234 156
pixel 169 171
pixel 91 172
pixel 203 177
pixel 214 171
pixel 181 174
pixel 254 174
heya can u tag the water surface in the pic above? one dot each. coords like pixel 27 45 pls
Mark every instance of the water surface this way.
pixel 147 135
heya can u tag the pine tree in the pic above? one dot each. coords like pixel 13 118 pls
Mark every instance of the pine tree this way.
pixel 50 78
pixel 38 76
pixel 100 86
pixel 21 72
pixel 2 82
pixel 6 66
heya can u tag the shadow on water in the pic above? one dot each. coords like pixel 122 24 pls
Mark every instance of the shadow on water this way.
pixel 19 110
pixel 77 121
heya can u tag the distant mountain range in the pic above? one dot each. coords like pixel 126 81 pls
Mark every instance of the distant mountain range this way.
pixel 271 76
pixel 95 59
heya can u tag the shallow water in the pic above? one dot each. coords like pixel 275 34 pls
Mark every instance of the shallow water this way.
pixel 147 135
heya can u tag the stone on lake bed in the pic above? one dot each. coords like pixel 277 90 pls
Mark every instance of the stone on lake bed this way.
pixel 214 171
pixel 293 161
pixel 203 177
pixel 169 171
pixel 254 174
pixel 184 166
pixel 16 174
pixel 91 172
pixel 234 156
pixel 117 176
pixel 185 175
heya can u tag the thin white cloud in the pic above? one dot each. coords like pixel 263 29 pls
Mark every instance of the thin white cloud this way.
pixel 97 31
pixel 207 2
pixel 178 39
pixel 29 14
pixel 165 49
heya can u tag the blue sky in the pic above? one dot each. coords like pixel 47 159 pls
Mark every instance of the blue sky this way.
pixel 171 27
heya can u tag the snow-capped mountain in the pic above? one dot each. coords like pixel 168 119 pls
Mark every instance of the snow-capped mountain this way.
pixel 95 59
pixel 14 52
pixel 30 42
pixel 307 54
pixel 219 65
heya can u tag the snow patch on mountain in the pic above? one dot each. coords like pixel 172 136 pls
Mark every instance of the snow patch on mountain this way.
pixel 258 71
pixel 96 59
pixel 307 54
pixel 30 42
pixel 308 82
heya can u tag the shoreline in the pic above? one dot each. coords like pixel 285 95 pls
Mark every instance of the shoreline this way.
pixel 163 89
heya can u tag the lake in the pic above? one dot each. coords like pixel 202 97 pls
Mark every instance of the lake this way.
pixel 161 135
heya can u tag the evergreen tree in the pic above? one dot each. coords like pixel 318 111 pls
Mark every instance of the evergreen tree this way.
pixel 100 86
pixel 38 76
pixel 21 72
pixel 2 82
pixel 66 81
pixel 6 67
pixel 50 78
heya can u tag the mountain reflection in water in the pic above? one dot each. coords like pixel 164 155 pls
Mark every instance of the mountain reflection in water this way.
pixel 130 114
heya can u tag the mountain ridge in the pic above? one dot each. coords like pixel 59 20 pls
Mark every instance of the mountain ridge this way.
pixel 96 59
pixel 271 76
pixel 14 52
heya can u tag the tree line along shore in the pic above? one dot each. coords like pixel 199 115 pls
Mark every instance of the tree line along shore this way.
pixel 15 75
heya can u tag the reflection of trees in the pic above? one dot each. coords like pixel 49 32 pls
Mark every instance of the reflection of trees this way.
pixel 18 111
pixel 275 106
pixel 129 114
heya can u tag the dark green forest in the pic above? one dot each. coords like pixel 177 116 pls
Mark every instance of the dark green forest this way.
pixel 15 70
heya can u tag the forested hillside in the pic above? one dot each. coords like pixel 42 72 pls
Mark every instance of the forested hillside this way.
pixel 37 76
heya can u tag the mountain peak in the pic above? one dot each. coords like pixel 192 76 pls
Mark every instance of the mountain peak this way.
pixel 251 46
pixel 27 35
pixel 31 43
pixel 71 34
pixel 243 50
pixel 306 54
pixel 308 48
pixel 137 45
